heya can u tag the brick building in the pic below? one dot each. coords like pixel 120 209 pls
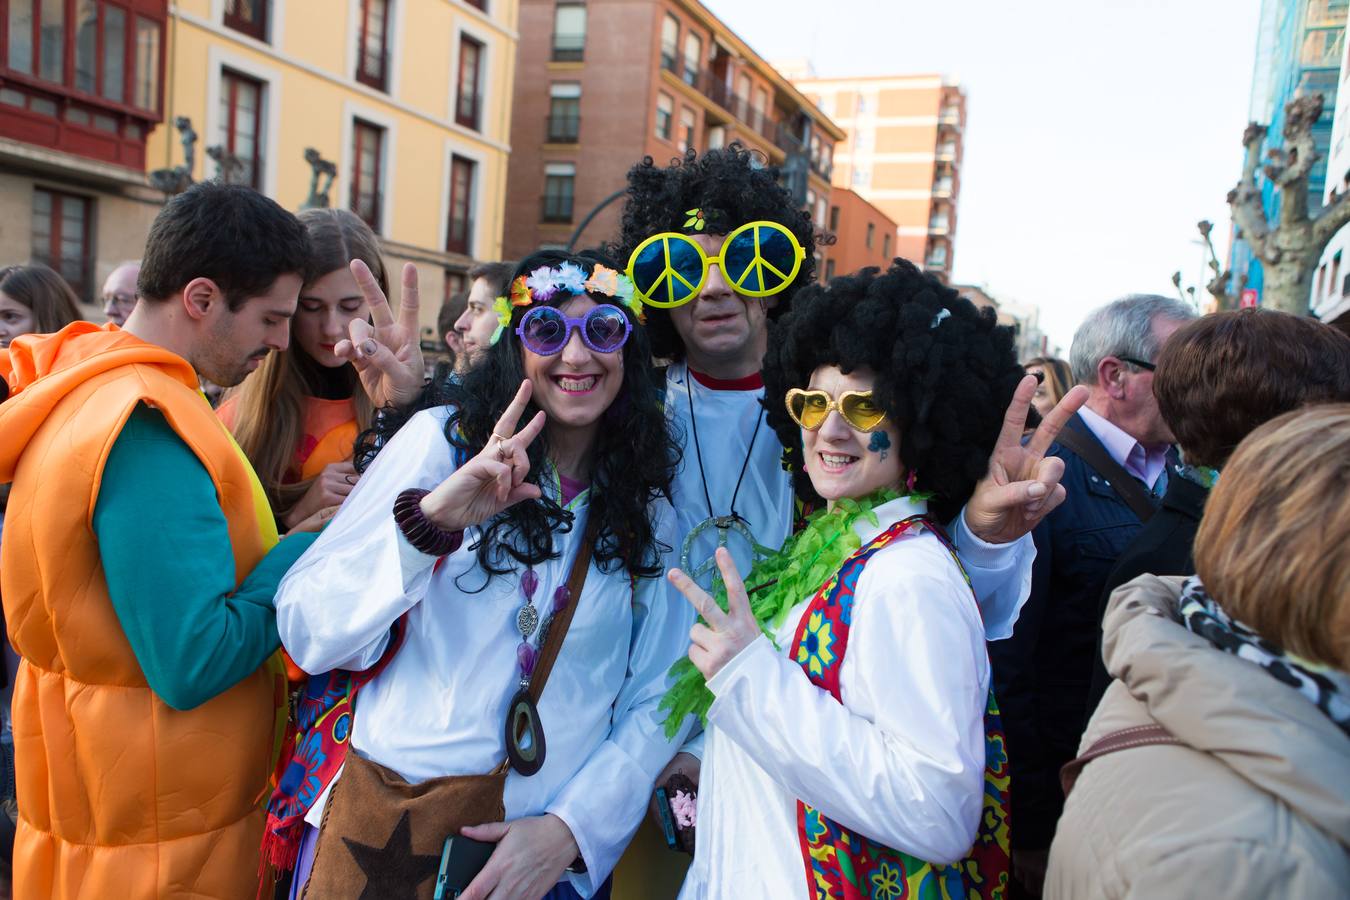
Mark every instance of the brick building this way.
pixel 601 84
pixel 864 235
pixel 903 154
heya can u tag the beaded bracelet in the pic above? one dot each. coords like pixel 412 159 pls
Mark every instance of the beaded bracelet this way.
pixel 425 535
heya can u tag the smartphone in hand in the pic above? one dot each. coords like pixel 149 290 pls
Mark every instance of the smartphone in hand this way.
pixel 462 858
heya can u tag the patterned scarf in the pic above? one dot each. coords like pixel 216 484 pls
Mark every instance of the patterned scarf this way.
pixel 1327 688
pixel 1201 475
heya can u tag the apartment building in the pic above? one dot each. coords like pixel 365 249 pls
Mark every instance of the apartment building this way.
pixel 603 83
pixel 903 154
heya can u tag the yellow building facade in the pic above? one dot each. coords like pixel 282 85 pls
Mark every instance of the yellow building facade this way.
pixel 410 100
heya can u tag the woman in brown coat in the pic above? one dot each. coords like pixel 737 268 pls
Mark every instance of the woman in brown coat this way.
pixel 1232 781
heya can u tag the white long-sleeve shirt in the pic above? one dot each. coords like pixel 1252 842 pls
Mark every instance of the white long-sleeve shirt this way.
pixel 438 707
pixel 901 760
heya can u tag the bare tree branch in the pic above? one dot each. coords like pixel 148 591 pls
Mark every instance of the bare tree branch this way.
pixel 1249 213
pixel 1330 219
pixel 1299 154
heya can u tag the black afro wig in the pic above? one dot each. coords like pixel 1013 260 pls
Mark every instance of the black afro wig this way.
pixel 732 186
pixel 945 372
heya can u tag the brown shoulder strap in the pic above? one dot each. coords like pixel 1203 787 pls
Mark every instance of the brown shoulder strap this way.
pixel 1125 485
pixel 557 629
pixel 1138 736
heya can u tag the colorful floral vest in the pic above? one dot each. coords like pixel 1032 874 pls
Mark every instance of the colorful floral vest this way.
pixel 844 865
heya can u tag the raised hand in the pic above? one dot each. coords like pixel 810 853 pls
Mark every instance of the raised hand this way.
pixel 388 353
pixel 1022 485
pixel 727 633
pixel 492 480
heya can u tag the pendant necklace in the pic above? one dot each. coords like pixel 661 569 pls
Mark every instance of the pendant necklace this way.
pixel 734 523
pixel 524 733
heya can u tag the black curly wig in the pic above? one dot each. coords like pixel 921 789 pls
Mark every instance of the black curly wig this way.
pixel 945 387
pixel 732 186
pixel 634 456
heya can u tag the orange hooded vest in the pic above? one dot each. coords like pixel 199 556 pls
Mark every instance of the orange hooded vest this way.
pixel 119 795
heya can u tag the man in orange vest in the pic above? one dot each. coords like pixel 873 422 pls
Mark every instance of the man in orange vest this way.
pixel 138 566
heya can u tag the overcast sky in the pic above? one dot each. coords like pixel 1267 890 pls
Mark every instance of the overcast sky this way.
pixel 1099 131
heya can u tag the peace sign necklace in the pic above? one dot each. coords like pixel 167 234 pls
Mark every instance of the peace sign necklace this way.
pixel 725 525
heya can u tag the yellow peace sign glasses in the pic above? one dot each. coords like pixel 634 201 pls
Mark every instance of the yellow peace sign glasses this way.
pixel 759 259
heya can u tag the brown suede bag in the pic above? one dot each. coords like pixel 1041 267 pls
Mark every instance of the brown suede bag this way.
pixel 382 837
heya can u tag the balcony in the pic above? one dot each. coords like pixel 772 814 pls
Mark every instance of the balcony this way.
pixel 936 262
pixel 569 47
pixel 939 226
pixel 947 152
pixel 950 117
pixel 563 129
pixel 786 141
pixel 942 188
pixel 556 208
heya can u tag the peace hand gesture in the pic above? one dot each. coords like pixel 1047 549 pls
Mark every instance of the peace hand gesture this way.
pixel 492 480
pixel 727 633
pixel 387 355
pixel 1022 485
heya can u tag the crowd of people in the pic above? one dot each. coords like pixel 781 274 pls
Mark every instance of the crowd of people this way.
pixel 357 630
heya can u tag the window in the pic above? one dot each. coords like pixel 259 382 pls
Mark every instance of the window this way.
pixel 468 108
pixel 937 255
pixel 871 234
pixel 834 218
pixel 693 57
pixel 559 184
pixel 688 123
pixel 569 32
pixel 372 59
pixel 1335 272
pixel 862 177
pixel 145 91
pixel 37 38
pixel 829 269
pixel 761 105
pixel 670 42
pixel 61 237
pixel 241 102
pixel 367 171
pixel 820 212
pixel 100 64
pixel 886 246
pixel 665 110
pixel 247 16
pixel 101 27
pixel 564 113
pixel 743 97
pixel 460 231
pixel 478 4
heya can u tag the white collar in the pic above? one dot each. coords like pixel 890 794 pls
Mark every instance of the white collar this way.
pixel 888 514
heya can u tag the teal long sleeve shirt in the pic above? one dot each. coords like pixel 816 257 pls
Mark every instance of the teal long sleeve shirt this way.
pixel 166 554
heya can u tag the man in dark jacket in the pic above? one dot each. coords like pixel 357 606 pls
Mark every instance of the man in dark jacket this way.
pixel 1043 672
pixel 1219 378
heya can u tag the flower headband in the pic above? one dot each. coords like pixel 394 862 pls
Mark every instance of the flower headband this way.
pixel 541 285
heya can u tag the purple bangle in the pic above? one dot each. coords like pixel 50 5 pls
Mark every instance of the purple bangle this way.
pixel 425 535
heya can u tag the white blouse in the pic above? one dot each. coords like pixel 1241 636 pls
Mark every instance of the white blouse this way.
pixel 900 761
pixel 438 708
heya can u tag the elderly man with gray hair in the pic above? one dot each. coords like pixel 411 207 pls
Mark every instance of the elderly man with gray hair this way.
pixel 1116 454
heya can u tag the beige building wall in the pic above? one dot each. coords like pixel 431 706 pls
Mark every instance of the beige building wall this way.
pixel 308 67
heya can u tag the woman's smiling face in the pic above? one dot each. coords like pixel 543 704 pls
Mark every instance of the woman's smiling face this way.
pixel 575 386
pixel 842 462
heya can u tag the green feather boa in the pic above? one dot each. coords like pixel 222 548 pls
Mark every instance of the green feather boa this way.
pixel 779 583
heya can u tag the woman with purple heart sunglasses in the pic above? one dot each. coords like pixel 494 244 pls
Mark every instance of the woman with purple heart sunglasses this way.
pixel 441 577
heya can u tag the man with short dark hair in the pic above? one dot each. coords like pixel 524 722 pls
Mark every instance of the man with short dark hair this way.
pixel 1218 379
pixel 140 559
pixel 451 310
pixel 488 281
pixel 1114 453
